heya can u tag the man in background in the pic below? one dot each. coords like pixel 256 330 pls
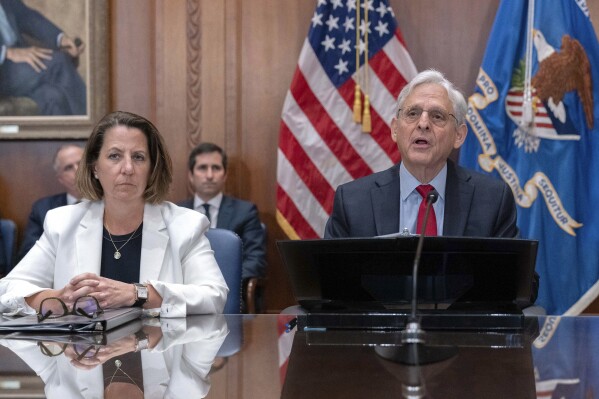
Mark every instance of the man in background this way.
pixel 207 174
pixel 65 163
pixel 46 74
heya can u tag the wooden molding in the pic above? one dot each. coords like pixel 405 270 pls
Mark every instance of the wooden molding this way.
pixel 194 81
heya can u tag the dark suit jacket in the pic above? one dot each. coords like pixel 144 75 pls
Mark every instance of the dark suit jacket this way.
pixel 242 217
pixel 475 205
pixel 35 224
pixel 25 20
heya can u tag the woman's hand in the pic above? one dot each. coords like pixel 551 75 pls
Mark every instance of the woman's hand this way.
pixel 68 294
pixel 109 293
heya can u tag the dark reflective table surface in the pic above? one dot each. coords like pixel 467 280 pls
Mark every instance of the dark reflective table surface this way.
pixel 252 356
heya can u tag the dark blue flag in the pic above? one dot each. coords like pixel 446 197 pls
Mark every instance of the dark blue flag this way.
pixel 532 123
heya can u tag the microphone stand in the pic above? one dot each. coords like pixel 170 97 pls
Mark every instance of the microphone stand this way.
pixel 413 334
pixel 413 350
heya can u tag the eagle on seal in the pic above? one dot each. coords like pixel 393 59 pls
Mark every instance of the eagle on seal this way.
pixel 562 72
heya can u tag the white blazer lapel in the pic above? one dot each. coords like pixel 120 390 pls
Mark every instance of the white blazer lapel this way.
pixel 89 239
pixel 154 242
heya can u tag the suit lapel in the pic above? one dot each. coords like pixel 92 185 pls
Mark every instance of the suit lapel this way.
pixel 89 239
pixel 154 243
pixel 385 202
pixel 458 195
pixel 62 200
pixel 225 213
pixel 188 203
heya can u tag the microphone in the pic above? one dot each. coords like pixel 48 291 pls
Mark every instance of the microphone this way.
pixel 413 334
pixel 413 351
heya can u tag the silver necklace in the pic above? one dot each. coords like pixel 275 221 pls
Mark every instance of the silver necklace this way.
pixel 118 365
pixel 117 253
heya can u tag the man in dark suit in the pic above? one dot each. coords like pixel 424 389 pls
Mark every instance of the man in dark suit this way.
pixel 429 123
pixel 46 74
pixel 207 174
pixel 65 163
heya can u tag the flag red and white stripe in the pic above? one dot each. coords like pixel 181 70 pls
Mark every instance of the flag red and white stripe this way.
pixel 320 146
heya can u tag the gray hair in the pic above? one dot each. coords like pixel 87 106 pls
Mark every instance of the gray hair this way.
pixel 62 147
pixel 432 76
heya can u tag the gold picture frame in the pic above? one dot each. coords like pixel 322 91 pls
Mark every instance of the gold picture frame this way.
pixel 88 20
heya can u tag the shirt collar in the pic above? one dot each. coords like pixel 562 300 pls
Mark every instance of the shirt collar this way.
pixel 408 183
pixel 72 200
pixel 214 202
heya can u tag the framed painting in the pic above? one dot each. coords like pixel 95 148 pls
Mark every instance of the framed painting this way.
pixel 54 68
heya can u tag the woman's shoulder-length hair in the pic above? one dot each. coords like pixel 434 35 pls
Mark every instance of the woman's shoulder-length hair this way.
pixel 161 167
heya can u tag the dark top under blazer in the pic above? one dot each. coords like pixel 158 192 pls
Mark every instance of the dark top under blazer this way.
pixel 35 224
pixel 242 217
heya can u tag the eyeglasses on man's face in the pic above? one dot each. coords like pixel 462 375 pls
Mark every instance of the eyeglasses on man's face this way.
pixel 53 308
pixel 437 116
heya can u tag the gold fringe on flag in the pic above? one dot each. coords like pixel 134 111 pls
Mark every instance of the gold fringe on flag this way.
pixel 366 123
pixel 357 104
pixel 357 90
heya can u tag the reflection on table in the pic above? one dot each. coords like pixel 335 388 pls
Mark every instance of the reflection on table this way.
pixel 253 357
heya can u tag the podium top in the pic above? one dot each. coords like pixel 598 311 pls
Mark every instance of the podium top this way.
pixel 375 274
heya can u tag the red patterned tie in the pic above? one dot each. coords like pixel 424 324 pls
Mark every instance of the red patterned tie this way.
pixel 431 223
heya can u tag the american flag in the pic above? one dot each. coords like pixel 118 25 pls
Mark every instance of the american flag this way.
pixel 320 145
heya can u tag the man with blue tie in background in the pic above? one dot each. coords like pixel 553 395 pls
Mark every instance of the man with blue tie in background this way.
pixel 207 175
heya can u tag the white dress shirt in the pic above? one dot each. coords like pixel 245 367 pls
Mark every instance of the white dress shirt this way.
pixel 214 207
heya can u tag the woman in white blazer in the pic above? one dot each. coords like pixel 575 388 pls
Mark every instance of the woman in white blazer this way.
pixel 126 246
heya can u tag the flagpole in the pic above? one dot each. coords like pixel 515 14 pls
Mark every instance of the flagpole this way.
pixel 527 102
pixel 366 122
pixel 357 90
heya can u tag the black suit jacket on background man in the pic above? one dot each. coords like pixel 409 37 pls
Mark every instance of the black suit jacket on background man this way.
pixel 35 224
pixel 242 217
pixel 475 205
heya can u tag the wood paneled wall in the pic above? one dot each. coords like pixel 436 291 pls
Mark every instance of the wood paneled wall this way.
pixel 206 70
